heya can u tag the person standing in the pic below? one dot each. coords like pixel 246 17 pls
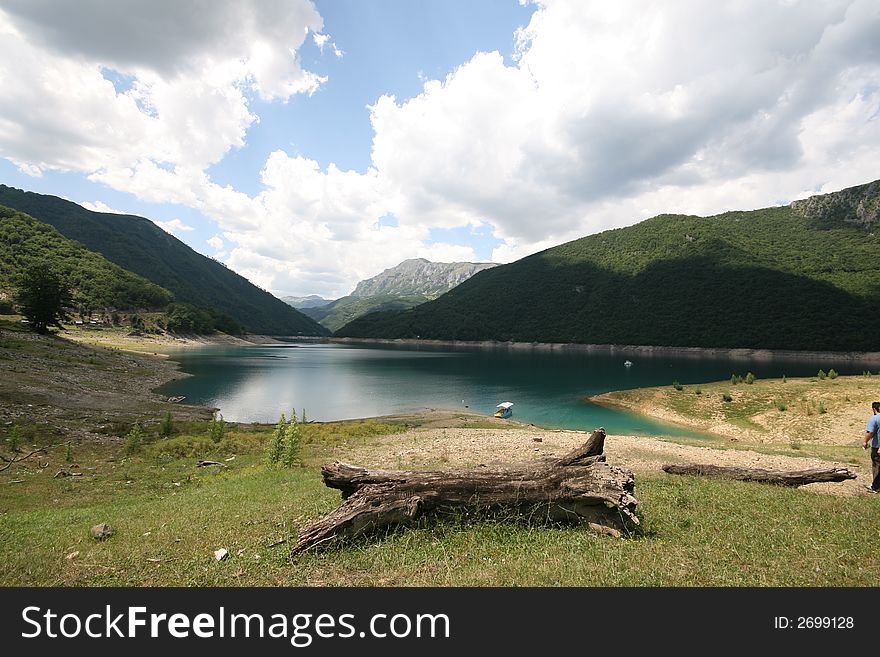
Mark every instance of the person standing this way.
pixel 872 434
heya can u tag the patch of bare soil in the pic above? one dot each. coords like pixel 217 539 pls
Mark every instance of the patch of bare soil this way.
pixel 452 448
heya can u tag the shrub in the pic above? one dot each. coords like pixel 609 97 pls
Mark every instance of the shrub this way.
pixel 781 406
pixel 821 375
pixel 14 438
pixel 68 453
pixel 216 428
pixel 726 397
pixel 822 410
pixel 832 374
pixel 167 427
pixel 134 440
pixel 784 380
pixel 750 378
pixel 276 447
pixel 677 385
pixel 733 379
pixel 292 443
pixel 698 392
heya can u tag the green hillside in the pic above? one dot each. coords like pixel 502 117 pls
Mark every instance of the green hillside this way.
pixel 336 314
pixel 805 276
pixel 140 246
pixel 96 282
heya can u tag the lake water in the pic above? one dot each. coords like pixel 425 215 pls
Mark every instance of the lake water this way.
pixel 337 381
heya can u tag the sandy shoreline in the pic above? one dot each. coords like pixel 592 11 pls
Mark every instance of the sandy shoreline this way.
pixel 450 448
pixel 631 350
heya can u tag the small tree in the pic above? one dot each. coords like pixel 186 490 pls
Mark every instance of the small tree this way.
pixel 821 375
pixel 750 378
pixel 292 443
pixel 68 453
pixel 832 374
pixel 216 428
pixel 303 420
pixel 733 379
pixel 134 440
pixel 276 447
pixel 167 427
pixel 42 296
pixel 14 438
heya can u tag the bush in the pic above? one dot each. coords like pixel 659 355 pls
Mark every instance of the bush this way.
pixel 822 410
pixel 784 380
pixel 750 378
pixel 733 379
pixel 68 453
pixel 821 375
pixel 677 385
pixel 781 406
pixel 276 447
pixel 134 440
pixel 698 392
pixel 726 397
pixel 292 441
pixel 832 374
pixel 14 438
pixel 216 428
pixel 167 427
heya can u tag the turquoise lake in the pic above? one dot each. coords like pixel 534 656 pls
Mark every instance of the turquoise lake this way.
pixel 341 381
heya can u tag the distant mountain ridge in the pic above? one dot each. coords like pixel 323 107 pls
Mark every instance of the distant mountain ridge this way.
pixel 418 276
pixel 138 245
pixel 407 285
pixel 803 277
pixel 310 301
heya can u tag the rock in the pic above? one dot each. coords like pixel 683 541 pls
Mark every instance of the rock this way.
pixel 72 555
pixel 221 554
pixel 102 531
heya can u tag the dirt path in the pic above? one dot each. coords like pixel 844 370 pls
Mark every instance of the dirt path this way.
pixel 450 448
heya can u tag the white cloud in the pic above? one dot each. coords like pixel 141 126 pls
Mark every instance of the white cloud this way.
pixel 174 226
pixel 323 40
pixel 185 70
pixel 100 206
pixel 215 243
pixel 610 113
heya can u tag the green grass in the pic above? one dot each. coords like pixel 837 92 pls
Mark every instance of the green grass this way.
pixel 170 516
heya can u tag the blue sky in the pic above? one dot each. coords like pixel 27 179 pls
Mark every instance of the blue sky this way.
pixel 310 145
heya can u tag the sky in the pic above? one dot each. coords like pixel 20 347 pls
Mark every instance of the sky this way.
pixel 310 145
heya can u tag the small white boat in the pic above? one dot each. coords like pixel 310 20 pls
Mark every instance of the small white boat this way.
pixel 504 410
pixel 627 363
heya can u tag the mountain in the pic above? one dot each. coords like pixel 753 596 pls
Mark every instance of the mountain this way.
pixel 339 313
pixel 409 284
pixel 419 277
pixel 804 276
pixel 95 281
pixel 310 301
pixel 140 246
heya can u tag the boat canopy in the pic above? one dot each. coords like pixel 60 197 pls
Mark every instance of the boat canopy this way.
pixel 504 405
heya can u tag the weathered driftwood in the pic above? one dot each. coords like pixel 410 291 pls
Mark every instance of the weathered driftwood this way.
pixel 579 486
pixel 779 477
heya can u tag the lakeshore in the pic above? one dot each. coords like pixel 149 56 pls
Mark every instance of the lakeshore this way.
pixel 170 514
pixel 867 357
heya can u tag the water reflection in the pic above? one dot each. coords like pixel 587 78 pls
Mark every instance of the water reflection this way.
pixel 335 381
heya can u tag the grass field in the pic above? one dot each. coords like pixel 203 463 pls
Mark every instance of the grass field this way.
pixel 170 516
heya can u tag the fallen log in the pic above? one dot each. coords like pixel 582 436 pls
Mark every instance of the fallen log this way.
pixel 778 477
pixel 578 487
